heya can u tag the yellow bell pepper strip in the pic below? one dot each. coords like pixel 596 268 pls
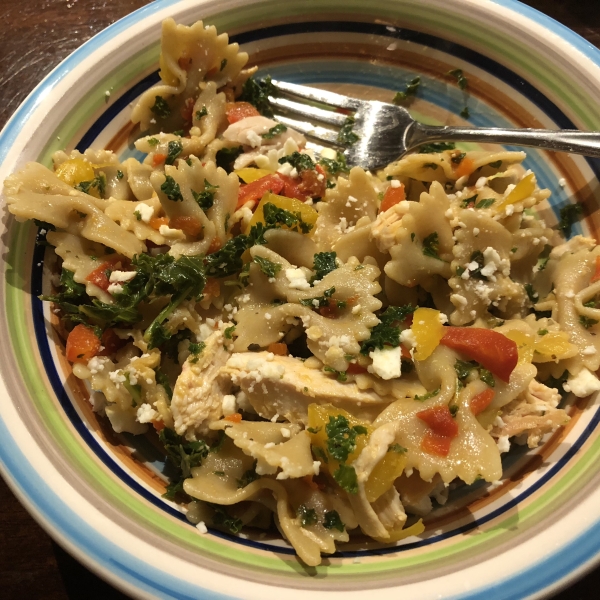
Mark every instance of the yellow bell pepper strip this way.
pixel 427 330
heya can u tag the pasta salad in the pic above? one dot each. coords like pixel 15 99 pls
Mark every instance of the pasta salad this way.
pixel 319 349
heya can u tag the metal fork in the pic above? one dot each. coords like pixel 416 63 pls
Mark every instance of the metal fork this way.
pixel 386 132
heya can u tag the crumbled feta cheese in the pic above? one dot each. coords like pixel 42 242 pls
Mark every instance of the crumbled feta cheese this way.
pixel 146 414
pixel 456 299
pixel 503 444
pixel 386 362
pixel 229 405
pixel 297 279
pixel 443 318
pixel 475 231
pixel 395 183
pixel 120 276
pixel 146 212
pixel 587 351
pixel 481 182
pixel 114 288
pixel 285 432
pixel 509 210
pixel 392 46
pixel 201 527
pixel 583 384
pixel 562 182
pixel 170 233
pixel 285 168
pixel 408 337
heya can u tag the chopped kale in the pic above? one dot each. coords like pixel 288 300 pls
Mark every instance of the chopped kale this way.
pixel 436 147
pixel 257 93
pixel 431 245
pixel 268 267
pixel 485 203
pixel 319 301
pixel 340 375
pixel 387 333
pixel 153 142
pixel 345 477
pixel 298 160
pixel 477 257
pixel 170 188
pixel 487 377
pixel 346 135
pixel 248 477
pixel 542 332
pixel 467 202
pixel 206 198
pixel 201 113
pixel 222 518
pixel 275 216
pixel 410 90
pixel 196 350
pixel 306 516
pixel 225 157
pixel 98 183
pixel 163 380
pixel 465 113
pixel 335 167
pixel 587 322
pixel 320 454
pixel 568 217
pixel 324 263
pixel 161 108
pixel 134 389
pixel 531 293
pixel 458 158
pixel 175 148
pixel 274 131
pixel 332 520
pixel 254 348
pixel 341 438
pixel 228 333
pixel 397 448
pixel 496 164
pixel 460 78
pixel 119 174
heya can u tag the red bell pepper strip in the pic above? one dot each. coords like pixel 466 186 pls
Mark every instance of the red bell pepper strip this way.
pixel 489 348
pixel 481 401
pixel 257 189
pixel 236 111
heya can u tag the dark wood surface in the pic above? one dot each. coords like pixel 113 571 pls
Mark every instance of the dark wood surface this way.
pixel 35 35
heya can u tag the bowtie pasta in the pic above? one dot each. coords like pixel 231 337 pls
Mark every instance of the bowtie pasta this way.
pixel 317 348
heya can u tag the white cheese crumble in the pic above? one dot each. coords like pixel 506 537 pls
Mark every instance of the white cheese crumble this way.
pixel 583 384
pixel 146 212
pixel 395 183
pixel 170 233
pixel 503 444
pixel 121 276
pixel 297 279
pixel 114 288
pixel 201 527
pixel 408 337
pixel 229 404
pixel 386 362
pixel 146 414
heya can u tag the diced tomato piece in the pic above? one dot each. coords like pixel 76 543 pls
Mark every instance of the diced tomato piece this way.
pixel 355 369
pixel 257 189
pixel 320 170
pixel 440 421
pixel 596 275
pixel 214 245
pixel 189 225
pixel 234 418
pixel 405 352
pixel 292 188
pixel 393 195
pixel 481 401
pixel 158 159
pixel 278 348
pixel 329 311
pixel 310 185
pixel 465 167
pixel 158 425
pixel 436 444
pixel 156 222
pixel 489 348
pixel 212 288
pixel 236 111
pixel 82 344
pixel 100 275
pixel 111 342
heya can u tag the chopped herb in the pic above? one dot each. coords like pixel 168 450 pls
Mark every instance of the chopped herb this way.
pixel 568 217
pixel 346 136
pixel 341 438
pixel 496 164
pixel 458 158
pixel 222 518
pixel 332 520
pixel 544 257
pixel 206 198
pixel 463 369
pixel 485 203
pixel 178 132
pixel 460 78
pixel 345 477
pixel 268 267
pixel 397 448
pixel 254 348
pixel 324 263
pixel 153 141
pixel 542 331
pixel 320 454
pixel 436 147
pixel 219 473
pixel 98 183
pixel 431 245
pixel 175 148
pixel 170 188
pixel 160 108
pixel 468 201
pixel 306 516
pixel 319 301
pixel 119 174
pixel 248 477
pixel 531 293
pixel 433 166
pixel 427 396
pixel 274 131
pixel 465 113
pixel 387 332
pixel 44 225
pixel 341 375
pixel 196 350
pixel 487 377
pixel 162 379
pixel 298 160
pixel 410 90
pixel 477 257
pixel 223 64
pixel 257 93
pixel 314 429
pixel 335 167
pixel 201 113
pixel 134 389
pixel 586 321
pixel 225 157
pixel 453 408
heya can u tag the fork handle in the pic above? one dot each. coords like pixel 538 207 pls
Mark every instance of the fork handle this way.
pixel 561 140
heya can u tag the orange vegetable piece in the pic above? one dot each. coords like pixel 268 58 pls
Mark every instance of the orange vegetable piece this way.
pixel 278 348
pixel 158 159
pixel 82 344
pixel 257 189
pixel 393 195
pixel 236 111
pixel 189 225
pixel 481 401
pixel 234 418
pixel 291 188
pixel 214 245
pixel 490 348
pixel 156 222
pixel 99 276
pixel 355 369
pixel 596 275
pixel 158 425
pixel 439 420
pixel 212 288
pixel 465 167
pixel 436 444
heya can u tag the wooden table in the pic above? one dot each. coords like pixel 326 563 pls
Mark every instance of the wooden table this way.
pixel 35 35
